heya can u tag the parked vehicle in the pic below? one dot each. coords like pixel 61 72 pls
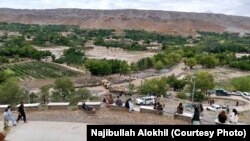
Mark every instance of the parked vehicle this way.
pixel 147 100
pixel 216 107
pixel 221 93
pixel 246 95
pixel 237 93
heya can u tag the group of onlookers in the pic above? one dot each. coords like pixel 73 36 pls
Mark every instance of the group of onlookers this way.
pixel 223 117
pixel 231 117
pixel 198 110
pixel 118 102
pixel 128 103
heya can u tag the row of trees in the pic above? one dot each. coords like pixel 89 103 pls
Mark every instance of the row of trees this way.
pixel 17 46
pixel 64 90
pixel 72 56
pixel 241 83
pixel 158 61
pixel 44 35
pixel 204 81
pixel 106 67
pixel 118 44
pixel 137 35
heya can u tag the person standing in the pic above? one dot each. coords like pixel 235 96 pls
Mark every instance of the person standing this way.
pixel 10 116
pixel 129 105
pixel 196 117
pixel 5 119
pixel 21 113
pixel 118 101
pixel 222 117
pixel 228 110
pixel 233 116
pixel 180 109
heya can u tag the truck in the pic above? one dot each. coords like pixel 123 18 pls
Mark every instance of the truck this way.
pixel 106 83
pixel 117 89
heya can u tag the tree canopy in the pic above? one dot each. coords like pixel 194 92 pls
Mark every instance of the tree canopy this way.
pixel 64 88
pixel 154 86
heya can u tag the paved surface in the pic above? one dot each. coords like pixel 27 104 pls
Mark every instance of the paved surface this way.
pixel 245 107
pixel 47 131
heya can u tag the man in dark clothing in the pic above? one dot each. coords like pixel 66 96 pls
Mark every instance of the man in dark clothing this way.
pixel 88 108
pixel 21 113
pixel 118 101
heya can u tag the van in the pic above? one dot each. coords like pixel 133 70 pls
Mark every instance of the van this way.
pixel 221 93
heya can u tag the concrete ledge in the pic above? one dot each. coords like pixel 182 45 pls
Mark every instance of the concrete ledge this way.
pixel 185 116
pixel 30 106
pixel 227 123
pixel 96 105
pixel 58 105
pixel 117 108
pixel 2 107
pixel 148 109
pixel 79 105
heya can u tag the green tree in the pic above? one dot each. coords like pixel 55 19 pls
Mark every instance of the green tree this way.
pixel 98 67
pixel 44 91
pixel 34 98
pixel 159 65
pixel 99 40
pixel 204 81
pixel 191 62
pixel 82 94
pixel 174 83
pixel 124 67
pixel 209 61
pixel 10 92
pixel 241 83
pixel 6 74
pixel 134 67
pixel 72 56
pixel 131 88
pixel 79 95
pixel 64 87
pixel 154 86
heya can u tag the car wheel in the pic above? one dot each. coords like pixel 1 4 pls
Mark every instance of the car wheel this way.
pixel 141 103
pixel 151 103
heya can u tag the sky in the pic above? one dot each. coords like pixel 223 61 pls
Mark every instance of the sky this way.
pixel 229 7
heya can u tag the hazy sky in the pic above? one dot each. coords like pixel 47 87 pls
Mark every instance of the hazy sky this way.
pixel 230 7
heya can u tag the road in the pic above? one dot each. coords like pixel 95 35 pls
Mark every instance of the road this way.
pixel 48 131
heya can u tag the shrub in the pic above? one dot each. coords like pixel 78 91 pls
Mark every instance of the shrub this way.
pixel 181 95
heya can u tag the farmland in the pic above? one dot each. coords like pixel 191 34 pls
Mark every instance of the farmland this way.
pixel 39 70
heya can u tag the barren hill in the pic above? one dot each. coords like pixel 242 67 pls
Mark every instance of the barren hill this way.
pixel 160 21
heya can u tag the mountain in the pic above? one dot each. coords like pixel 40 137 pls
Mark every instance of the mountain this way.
pixel 180 23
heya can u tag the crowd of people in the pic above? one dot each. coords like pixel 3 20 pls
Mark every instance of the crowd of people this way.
pixel 225 116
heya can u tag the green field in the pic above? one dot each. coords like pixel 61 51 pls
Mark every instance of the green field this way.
pixel 39 70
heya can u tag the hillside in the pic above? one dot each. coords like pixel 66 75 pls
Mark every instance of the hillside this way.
pixel 160 21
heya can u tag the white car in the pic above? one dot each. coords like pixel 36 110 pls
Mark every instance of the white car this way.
pixel 237 93
pixel 246 95
pixel 215 107
pixel 147 100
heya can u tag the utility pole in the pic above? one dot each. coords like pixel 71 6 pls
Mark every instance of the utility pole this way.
pixel 27 90
pixel 193 89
